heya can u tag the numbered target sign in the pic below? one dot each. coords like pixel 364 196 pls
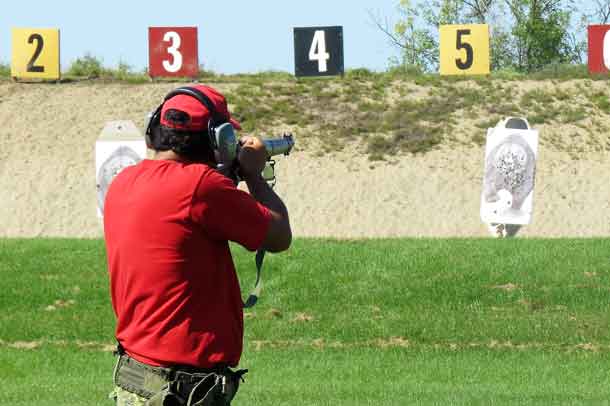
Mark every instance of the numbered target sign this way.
pixel 172 51
pixel 318 51
pixel 464 49
pixel 35 53
pixel 599 48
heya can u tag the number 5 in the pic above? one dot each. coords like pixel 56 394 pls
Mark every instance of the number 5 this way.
pixel 176 64
pixel 467 47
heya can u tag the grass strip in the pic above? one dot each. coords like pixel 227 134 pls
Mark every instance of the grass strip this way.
pixel 399 321
pixel 395 376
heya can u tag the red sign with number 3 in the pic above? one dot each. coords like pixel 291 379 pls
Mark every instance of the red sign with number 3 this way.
pixel 172 51
pixel 599 48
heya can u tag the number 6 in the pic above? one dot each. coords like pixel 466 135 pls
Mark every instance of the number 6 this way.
pixel 606 50
pixel 176 64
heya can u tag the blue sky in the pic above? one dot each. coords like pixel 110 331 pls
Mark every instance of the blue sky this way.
pixel 234 36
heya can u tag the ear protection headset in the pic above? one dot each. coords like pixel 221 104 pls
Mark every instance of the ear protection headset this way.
pixel 220 132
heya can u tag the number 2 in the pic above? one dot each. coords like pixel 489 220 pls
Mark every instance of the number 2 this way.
pixel 39 44
pixel 317 52
pixel 173 50
pixel 463 65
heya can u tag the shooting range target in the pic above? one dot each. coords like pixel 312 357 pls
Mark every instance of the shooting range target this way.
pixel 120 145
pixel 599 48
pixel 173 52
pixel 35 53
pixel 464 49
pixel 510 171
pixel 318 51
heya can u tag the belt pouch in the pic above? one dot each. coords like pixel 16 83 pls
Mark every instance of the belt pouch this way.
pixel 138 378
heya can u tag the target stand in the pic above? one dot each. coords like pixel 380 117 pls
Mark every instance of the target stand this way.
pixel 508 182
pixel 119 145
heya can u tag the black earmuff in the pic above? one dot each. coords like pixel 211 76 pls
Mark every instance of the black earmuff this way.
pixel 154 122
pixel 151 135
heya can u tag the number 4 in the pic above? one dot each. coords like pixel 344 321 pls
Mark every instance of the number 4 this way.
pixel 317 52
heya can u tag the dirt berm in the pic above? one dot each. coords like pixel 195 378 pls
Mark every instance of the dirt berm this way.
pixel 47 172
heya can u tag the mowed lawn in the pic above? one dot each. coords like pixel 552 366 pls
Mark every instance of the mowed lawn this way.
pixel 373 322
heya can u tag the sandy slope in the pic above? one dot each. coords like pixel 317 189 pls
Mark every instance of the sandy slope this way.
pixel 47 180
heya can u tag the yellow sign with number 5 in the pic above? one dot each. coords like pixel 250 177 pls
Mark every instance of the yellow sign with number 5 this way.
pixel 35 53
pixel 464 49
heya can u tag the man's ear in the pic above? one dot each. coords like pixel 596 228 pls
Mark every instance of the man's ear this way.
pixel 152 140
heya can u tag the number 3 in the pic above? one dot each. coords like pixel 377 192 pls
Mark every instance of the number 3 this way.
pixel 176 64
pixel 317 52
pixel 467 47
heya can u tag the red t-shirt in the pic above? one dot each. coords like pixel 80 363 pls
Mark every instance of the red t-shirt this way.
pixel 172 280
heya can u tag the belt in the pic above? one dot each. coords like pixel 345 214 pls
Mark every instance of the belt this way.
pixel 147 380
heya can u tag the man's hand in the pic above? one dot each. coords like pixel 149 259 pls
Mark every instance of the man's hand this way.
pixel 252 157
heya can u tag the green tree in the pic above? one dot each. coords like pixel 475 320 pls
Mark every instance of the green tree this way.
pixel 415 33
pixel 478 10
pixel 601 14
pixel 541 33
pixel 532 35
pixel 490 12
pixel 412 35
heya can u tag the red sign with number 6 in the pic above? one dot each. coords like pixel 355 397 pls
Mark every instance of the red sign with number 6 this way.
pixel 172 51
pixel 599 48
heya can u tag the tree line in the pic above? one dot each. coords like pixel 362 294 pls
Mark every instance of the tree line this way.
pixel 525 35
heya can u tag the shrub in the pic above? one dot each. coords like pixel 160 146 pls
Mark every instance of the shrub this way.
pixel 564 71
pixel 359 73
pixel 5 70
pixel 122 72
pixel 600 99
pixel 125 73
pixel 87 66
pixel 206 74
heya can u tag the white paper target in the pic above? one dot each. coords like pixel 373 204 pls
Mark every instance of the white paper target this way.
pixel 510 171
pixel 119 146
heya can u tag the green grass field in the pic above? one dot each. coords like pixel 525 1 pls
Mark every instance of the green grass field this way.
pixel 376 322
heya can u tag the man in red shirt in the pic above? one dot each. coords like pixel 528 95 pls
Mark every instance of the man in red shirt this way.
pixel 167 224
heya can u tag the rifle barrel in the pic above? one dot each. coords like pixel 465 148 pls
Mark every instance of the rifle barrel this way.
pixel 278 146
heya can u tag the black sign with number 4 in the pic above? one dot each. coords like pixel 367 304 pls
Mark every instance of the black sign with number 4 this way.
pixel 318 51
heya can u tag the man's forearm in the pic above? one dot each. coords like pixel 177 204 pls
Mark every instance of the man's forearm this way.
pixel 262 192
pixel 279 235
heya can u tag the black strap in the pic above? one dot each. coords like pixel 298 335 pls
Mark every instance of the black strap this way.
pixel 258 286
pixel 120 350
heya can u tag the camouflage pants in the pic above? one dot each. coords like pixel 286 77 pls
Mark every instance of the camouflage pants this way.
pixel 125 398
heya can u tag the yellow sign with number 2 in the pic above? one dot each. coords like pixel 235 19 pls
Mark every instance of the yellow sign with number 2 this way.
pixel 464 49
pixel 35 53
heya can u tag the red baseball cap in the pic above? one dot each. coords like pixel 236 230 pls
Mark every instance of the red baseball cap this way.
pixel 198 114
